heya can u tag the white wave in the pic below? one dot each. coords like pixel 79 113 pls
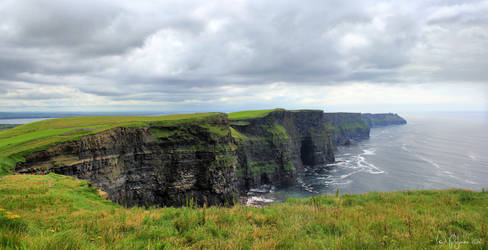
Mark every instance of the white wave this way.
pixel 369 151
pixel 254 200
pixel 404 147
pixel 368 167
pixel 344 176
pixel 343 183
pixel 258 190
pixel 262 189
pixel 450 174
pixel 472 182
pixel 431 162
pixel 472 156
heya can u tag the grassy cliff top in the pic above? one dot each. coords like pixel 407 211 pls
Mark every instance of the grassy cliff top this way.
pixel 17 142
pixel 60 212
pixel 250 114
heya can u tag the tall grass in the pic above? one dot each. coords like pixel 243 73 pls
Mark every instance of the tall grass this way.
pixel 71 215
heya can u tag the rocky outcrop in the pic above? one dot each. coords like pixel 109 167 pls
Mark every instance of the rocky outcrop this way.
pixel 377 120
pixel 163 164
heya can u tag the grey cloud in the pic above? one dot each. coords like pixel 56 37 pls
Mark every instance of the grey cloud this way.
pixel 125 50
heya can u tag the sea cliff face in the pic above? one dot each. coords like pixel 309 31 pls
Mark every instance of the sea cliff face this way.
pixel 273 148
pixel 208 161
pixel 376 120
pixel 157 165
pixel 346 128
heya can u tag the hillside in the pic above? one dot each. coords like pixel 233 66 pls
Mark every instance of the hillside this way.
pixel 60 212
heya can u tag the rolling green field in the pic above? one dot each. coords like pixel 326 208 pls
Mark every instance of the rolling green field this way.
pixel 60 212
pixel 20 141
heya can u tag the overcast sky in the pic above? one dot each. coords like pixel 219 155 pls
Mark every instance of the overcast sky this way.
pixel 369 56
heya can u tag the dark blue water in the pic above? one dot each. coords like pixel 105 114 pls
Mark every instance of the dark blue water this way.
pixel 433 151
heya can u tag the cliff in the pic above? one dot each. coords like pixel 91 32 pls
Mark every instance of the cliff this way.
pixel 165 163
pixel 346 128
pixel 172 160
pixel 271 149
pixel 376 120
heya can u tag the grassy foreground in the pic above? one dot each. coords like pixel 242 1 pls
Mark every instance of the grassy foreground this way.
pixel 60 212
pixel 22 140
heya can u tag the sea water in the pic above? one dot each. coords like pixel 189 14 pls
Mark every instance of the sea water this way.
pixel 432 151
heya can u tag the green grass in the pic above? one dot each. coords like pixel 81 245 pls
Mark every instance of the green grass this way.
pixel 237 135
pixel 71 215
pixel 277 130
pixel 243 115
pixel 22 140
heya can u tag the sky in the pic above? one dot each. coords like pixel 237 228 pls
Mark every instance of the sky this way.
pixel 196 56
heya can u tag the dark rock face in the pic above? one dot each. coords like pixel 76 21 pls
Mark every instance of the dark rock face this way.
pixel 346 128
pixel 376 120
pixel 208 161
pixel 138 166
pixel 275 147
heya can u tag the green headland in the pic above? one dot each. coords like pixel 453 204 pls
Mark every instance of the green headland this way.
pixel 22 140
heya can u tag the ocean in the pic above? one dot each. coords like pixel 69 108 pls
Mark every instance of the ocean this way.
pixel 432 151
pixel 21 120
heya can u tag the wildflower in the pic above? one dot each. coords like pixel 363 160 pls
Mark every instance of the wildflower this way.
pixel 92 239
pixel 99 237
pixel 1 209
pixel 9 213
pixel 52 230
pixel 13 216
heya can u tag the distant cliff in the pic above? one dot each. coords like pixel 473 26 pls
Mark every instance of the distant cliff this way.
pixel 376 120
pixel 208 160
pixel 346 128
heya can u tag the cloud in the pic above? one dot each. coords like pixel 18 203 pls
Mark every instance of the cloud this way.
pixel 171 54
